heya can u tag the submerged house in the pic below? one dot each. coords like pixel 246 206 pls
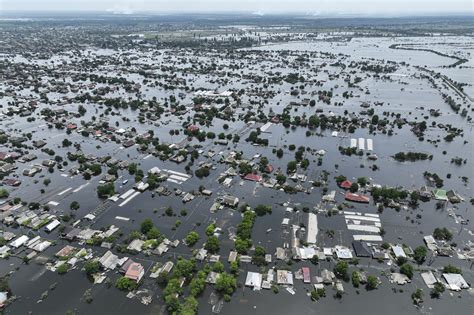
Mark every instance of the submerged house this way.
pixel 453 196
pixel 440 194
pixel 254 280
pixel 135 272
pixel 230 201
pixel 253 177
pixel 311 228
pixel 345 184
pixel 357 197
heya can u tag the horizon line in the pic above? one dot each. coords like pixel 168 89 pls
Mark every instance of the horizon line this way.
pixel 246 12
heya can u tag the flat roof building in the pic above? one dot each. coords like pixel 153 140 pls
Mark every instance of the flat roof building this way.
pixel 311 228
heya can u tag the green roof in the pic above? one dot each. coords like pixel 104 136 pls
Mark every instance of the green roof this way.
pixel 440 194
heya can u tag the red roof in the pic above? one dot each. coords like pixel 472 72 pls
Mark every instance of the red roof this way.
pixel 275 120
pixel 71 126
pixel 345 184
pixel 306 275
pixel 253 177
pixel 193 128
pixel 135 271
pixel 11 182
pixel 4 155
pixel 357 198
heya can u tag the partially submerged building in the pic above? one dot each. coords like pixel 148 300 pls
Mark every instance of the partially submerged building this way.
pixel 311 228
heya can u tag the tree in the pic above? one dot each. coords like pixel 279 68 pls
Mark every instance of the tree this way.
pixel 173 287
pixel 4 193
pixel 212 244
pixel 172 303
pixel 225 283
pixel 146 226
pixel 104 191
pixel 202 172
pixel 234 267
pixel 281 179
pixel 210 229
pixel 259 256
pixel 169 211
pixel 192 238
pixel 63 268
pixel 82 110
pixel 354 187
pixel 375 120
pixel 91 267
pixel 241 245
pixel 452 269
pixel 355 279
pixel 125 284
pixel 340 270
pixel 189 307
pixel 185 267
pixel 74 205
pixel 362 181
pixel 134 235
pixel 417 297
pixel 261 210
pixel 197 285
pixel 218 267
pixel 66 143
pixel 407 270
pixel 316 294
pixel 372 282
pixel 153 233
pixel 420 254
pixel 291 167
pixel 245 168
pixel 414 197
pixel 438 288
pixel 442 234
pixel 279 153
pixel 340 178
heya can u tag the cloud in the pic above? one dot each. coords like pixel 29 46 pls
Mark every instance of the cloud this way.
pixel 261 6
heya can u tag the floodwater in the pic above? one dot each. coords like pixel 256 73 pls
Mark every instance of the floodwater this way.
pixel 405 94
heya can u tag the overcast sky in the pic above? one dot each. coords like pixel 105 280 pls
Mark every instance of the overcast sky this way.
pixel 370 7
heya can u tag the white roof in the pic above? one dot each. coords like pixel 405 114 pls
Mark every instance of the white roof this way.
pixel 19 241
pixel 398 251
pixel 284 277
pixel 33 241
pixel 455 281
pixel 327 251
pixel 254 279
pixel 343 252
pixel 373 238
pixel 312 228
pixel 154 170
pixel 89 216
pixel 42 246
pixel 429 278
pixel 4 249
pixel 54 224
pixel 306 252
pixel 109 260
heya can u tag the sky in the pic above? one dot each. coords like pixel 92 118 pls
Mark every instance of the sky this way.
pixel 311 7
